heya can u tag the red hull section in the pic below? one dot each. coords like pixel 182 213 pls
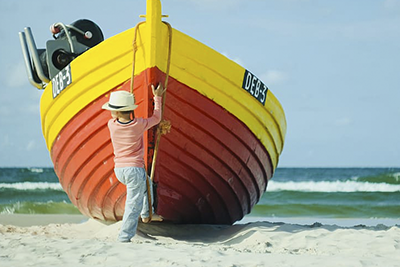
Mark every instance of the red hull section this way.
pixel 210 167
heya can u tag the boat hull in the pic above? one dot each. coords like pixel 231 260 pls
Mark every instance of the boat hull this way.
pixel 210 167
pixel 227 128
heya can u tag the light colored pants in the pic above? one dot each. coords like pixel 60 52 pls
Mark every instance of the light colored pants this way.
pixel 136 199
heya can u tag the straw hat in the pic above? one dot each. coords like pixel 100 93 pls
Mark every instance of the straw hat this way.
pixel 120 101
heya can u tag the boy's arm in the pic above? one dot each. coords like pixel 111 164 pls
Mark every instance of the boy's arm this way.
pixel 156 118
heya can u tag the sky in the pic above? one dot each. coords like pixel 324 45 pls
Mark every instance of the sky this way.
pixel 333 65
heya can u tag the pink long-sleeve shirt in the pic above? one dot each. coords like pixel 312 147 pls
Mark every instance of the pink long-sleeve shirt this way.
pixel 127 138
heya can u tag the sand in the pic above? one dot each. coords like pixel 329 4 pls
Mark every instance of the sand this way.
pixel 67 240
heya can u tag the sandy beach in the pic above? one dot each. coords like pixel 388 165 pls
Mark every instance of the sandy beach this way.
pixel 73 240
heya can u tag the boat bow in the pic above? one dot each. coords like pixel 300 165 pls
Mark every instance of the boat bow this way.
pixel 227 128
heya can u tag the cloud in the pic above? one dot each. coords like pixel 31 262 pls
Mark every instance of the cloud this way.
pixel 390 4
pixel 33 108
pixel 31 145
pixel 6 142
pixel 17 75
pixel 274 77
pixel 216 5
pixel 236 59
pixel 343 121
pixel 4 111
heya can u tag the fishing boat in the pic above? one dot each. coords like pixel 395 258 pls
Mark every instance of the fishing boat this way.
pixel 215 150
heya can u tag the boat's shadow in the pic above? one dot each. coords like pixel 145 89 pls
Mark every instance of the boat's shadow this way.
pixel 234 233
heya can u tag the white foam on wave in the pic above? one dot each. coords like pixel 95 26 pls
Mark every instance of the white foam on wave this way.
pixel 36 170
pixel 396 175
pixel 31 186
pixel 332 186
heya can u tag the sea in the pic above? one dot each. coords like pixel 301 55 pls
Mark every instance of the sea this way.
pixel 292 192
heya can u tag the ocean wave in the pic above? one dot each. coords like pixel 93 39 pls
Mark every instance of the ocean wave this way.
pixel 31 186
pixel 332 186
pixel 388 178
pixel 49 207
pixel 325 210
pixel 35 170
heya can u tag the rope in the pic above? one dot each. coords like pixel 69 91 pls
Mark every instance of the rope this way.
pixel 164 126
pixel 135 48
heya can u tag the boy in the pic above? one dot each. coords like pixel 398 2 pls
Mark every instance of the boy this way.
pixel 127 139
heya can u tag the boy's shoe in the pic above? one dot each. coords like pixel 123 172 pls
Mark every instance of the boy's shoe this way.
pixel 154 218
pixel 146 220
